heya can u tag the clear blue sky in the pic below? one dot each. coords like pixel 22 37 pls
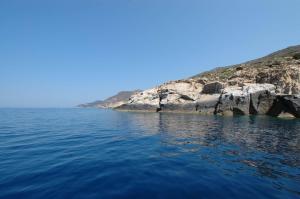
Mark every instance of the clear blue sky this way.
pixel 60 53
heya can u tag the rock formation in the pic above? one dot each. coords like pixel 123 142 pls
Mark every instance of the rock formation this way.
pixel 247 99
pixel 269 85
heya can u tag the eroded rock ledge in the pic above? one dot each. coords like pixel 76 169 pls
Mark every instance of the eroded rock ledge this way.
pixel 213 98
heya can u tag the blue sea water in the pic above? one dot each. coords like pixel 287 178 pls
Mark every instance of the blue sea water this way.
pixel 90 153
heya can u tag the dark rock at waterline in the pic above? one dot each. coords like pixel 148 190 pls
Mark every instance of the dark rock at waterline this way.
pixel 258 103
pixel 236 104
pixel 189 107
pixel 292 103
pixel 247 99
pixel 286 104
pixel 138 107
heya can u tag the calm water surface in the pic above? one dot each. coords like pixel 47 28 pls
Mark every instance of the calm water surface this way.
pixel 87 153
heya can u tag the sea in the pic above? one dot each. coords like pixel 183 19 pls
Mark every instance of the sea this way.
pixel 92 153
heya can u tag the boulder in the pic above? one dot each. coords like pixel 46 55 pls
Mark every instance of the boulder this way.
pixel 206 104
pixel 261 102
pixel 188 88
pixel 248 99
pixel 233 101
pixel 212 88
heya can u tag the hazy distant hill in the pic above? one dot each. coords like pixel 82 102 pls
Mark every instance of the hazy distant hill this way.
pixel 111 102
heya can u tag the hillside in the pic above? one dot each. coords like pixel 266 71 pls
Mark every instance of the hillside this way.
pixel 268 85
pixel 280 68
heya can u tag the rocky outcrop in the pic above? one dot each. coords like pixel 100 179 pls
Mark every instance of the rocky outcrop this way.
pixel 286 104
pixel 206 104
pixel 266 86
pixel 212 88
pixel 292 105
pixel 147 100
pixel 247 99
pixel 175 95
pixel 261 102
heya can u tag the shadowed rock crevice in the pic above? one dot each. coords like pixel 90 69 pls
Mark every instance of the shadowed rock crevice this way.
pixel 286 104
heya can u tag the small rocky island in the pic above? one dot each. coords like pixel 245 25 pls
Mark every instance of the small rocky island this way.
pixel 265 86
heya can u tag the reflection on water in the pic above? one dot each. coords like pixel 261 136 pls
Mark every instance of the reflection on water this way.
pixel 266 134
pixel 86 153
pixel 270 146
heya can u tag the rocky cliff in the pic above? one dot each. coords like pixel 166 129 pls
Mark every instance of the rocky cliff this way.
pixel 111 102
pixel 269 85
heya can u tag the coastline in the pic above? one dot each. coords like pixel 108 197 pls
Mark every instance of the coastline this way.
pixel 283 116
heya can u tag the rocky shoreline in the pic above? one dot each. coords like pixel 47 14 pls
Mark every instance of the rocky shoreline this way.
pixel 266 86
pixel 251 99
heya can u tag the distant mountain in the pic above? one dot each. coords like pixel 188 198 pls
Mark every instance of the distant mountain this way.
pixel 91 104
pixel 111 102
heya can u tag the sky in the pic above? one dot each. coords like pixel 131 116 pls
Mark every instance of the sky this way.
pixel 61 53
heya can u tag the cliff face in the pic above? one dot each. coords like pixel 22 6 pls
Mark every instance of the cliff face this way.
pixel 111 102
pixel 269 85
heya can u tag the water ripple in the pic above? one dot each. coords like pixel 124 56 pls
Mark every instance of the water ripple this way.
pixel 86 153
